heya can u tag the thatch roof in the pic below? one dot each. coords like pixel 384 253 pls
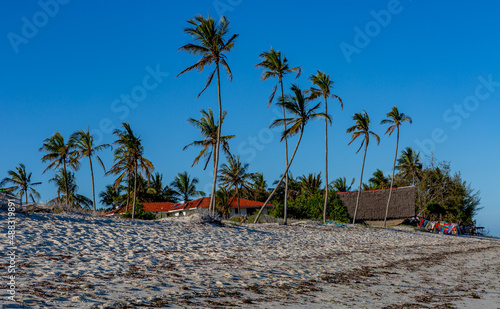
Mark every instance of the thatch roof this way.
pixel 372 204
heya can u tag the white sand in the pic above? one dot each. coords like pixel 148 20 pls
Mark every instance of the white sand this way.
pixel 84 262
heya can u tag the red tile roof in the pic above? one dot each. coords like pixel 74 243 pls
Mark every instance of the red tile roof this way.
pixel 198 203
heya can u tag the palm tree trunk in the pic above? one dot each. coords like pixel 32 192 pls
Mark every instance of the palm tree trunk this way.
pixel 93 190
pixel 326 163
pixel 285 207
pixel 128 193
pixel 66 184
pixel 214 184
pixel 359 190
pixel 392 180
pixel 135 189
pixel 281 179
pixel 238 195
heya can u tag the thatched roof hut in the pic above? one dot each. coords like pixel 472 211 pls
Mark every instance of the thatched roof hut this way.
pixel 372 204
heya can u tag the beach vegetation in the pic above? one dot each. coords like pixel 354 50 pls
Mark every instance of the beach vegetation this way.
pixel 276 65
pixel 212 42
pixel 361 128
pixel 19 182
pixel 322 85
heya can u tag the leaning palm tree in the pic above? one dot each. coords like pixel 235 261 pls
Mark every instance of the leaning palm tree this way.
pixel 211 43
pixel 128 158
pixel 324 86
pixel 208 129
pixel 235 174
pixel 361 128
pixel 84 146
pixel 409 164
pixel 298 106
pixel 184 187
pixel 395 119
pixel 59 154
pixel 275 65
pixel 21 184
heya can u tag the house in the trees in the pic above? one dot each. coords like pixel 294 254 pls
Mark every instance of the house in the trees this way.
pixel 373 203
pixel 247 207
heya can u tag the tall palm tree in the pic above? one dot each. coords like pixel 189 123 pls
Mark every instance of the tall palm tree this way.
pixel 208 129
pixel 212 44
pixel 395 119
pixel 361 128
pixel 129 159
pixel 298 106
pixel 59 154
pixel 275 65
pixel 21 184
pixel 340 184
pixel 235 174
pixel 324 86
pixel 409 164
pixel 84 146
pixel 60 180
pixel 185 187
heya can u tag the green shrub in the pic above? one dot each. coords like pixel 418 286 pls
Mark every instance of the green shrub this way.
pixel 139 213
pixel 310 206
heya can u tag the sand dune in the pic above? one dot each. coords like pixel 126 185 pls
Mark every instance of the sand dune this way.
pixel 85 262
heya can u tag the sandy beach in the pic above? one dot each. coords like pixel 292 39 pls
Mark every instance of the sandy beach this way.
pixel 76 261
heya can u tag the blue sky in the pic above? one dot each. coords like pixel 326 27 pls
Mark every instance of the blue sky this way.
pixel 70 68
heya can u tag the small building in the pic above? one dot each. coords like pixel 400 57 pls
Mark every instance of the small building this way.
pixel 373 203
pixel 247 207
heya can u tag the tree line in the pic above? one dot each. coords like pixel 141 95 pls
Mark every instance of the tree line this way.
pixel 212 41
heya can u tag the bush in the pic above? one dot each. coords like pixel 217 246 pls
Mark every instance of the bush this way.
pixel 139 213
pixel 311 207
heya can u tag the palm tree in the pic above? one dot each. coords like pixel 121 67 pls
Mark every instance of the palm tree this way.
pixel 234 174
pixel 258 190
pixel 83 145
pixel 324 86
pixel 61 179
pixel 379 180
pixel 310 184
pixel 208 129
pixel 298 106
pixel 212 44
pixel 59 154
pixel 340 184
pixel 112 197
pixel 395 119
pixel 409 164
pixel 185 187
pixel 157 192
pixel 129 159
pixel 275 65
pixel 21 184
pixel 361 128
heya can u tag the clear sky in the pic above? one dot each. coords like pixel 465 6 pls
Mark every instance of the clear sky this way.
pixel 69 65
